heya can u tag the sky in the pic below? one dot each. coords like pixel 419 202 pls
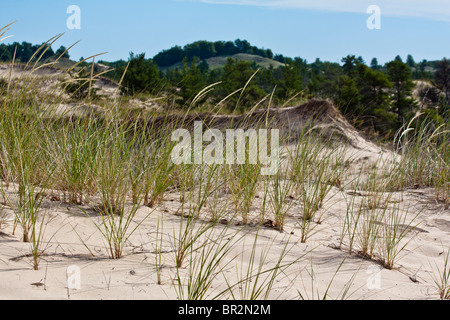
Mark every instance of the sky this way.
pixel 310 29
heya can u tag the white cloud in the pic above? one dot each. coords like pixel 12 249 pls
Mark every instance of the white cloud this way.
pixel 429 9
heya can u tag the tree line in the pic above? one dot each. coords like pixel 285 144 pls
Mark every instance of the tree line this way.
pixel 22 52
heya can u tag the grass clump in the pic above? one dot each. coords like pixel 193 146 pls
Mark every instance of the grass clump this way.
pixel 425 154
pixel 316 167
pixel 442 283
pixel 258 271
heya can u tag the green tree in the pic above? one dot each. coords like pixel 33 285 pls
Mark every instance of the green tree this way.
pixel 279 58
pixel 374 64
pixel 142 75
pixel 235 76
pixel 326 76
pixel 5 55
pixel 400 75
pixel 48 53
pixel 442 77
pixel 350 63
pixel 243 46
pixel 192 80
pixel 62 52
pixel 225 48
pixel 293 78
pixel 421 71
pixel 266 79
pixel 349 98
pixel 374 87
pixel 167 58
pixel 204 67
pixel 410 61
pixel 364 95
pixel 200 49
pixel 25 52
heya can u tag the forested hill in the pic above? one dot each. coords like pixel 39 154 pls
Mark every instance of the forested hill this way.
pixel 219 62
pixel 203 50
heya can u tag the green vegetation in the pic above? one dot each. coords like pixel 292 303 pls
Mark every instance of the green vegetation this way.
pixel 141 75
pixel 375 98
pixel 25 50
pixel 442 284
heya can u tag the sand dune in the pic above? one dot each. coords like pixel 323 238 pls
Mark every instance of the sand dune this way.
pixel 72 239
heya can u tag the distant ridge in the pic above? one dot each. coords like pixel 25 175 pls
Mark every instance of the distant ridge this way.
pixel 220 62
pixel 203 50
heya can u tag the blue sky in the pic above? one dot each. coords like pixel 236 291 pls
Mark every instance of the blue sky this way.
pixel 310 29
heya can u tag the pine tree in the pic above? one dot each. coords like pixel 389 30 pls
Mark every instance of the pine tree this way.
pixel 400 75
pixel 442 77
pixel 236 75
pixel 62 52
pixel 293 80
pixel 142 75
pixel 374 64
pixel 410 61
pixel 192 80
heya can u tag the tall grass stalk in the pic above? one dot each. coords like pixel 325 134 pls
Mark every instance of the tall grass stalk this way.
pixel 316 292
pixel 442 283
pixel 117 224
pixel 158 249
pixel 375 225
pixel 78 145
pixel 37 241
pixel 316 166
pixel 27 163
pixel 2 216
pixel 258 272
pixel 280 199
pixel 396 229
pixel 370 229
pixel 351 221
pixel 117 218
pixel 27 119
pixel 192 226
pixel 206 263
pixel 242 183
pixel 424 150
pixel 160 174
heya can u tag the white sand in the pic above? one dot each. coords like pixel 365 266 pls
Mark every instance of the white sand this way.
pixel 134 276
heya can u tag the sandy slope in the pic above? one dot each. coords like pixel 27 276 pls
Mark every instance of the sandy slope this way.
pixel 50 78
